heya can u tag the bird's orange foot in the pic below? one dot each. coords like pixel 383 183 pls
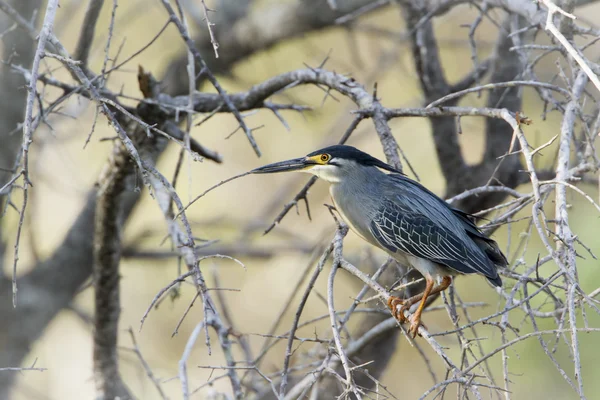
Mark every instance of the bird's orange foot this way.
pixel 393 303
pixel 415 323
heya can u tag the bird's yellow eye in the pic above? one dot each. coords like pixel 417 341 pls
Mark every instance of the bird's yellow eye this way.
pixel 325 157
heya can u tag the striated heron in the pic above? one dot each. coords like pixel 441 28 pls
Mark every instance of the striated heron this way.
pixel 403 218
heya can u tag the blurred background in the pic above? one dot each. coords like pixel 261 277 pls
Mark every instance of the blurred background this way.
pixel 377 50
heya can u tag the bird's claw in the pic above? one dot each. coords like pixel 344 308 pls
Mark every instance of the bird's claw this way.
pixel 393 303
pixel 415 323
pixel 398 313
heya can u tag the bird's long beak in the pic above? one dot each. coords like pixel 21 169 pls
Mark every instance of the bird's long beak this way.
pixel 295 164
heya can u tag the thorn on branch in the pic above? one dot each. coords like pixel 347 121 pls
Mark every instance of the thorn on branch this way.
pixel 210 25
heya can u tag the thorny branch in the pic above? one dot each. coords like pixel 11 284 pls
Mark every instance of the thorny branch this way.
pixel 28 130
pixel 205 71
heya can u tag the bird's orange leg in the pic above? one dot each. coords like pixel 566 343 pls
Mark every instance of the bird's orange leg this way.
pixel 415 320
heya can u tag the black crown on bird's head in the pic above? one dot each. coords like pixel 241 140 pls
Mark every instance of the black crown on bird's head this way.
pixel 352 153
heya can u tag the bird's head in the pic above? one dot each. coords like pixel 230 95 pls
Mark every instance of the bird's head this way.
pixel 331 163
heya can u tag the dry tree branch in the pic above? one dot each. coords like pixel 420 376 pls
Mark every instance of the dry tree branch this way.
pixel 85 81
pixel 552 10
pixel 378 332
pixel 29 128
pixel 337 261
pixel 75 252
pixel 151 376
pixel 242 31
pixel 565 247
pixel 17 49
pixel 183 240
pixel 205 71
pixel 191 70
pixel 107 248
pixel 497 85
pixel 210 25
pixel 22 369
pixel 288 353
pixel 86 36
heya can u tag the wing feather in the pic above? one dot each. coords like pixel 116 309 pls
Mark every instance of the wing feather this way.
pixel 407 230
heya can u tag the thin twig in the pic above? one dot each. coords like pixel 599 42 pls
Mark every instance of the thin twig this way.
pixel 28 128
pixel 552 10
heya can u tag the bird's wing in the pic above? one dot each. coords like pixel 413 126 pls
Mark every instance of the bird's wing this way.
pixel 422 231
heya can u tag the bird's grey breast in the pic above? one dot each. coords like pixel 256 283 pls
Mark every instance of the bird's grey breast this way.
pixel 357 202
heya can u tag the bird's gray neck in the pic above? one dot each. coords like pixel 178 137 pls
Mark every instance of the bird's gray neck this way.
pixel 358 197
pixel 360 178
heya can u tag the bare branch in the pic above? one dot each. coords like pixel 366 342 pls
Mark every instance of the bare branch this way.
pixel 337 260
pixel 146 366
pixel 552 10
pixel 206 72
pixel 309 287
pixel 88 28
pixel 28 128
pixel 210 25
pixel 565 247
pixel 107 255
pixel 241 37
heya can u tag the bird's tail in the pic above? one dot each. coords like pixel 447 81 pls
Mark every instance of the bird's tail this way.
pixel 488 246
pixel 494 254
